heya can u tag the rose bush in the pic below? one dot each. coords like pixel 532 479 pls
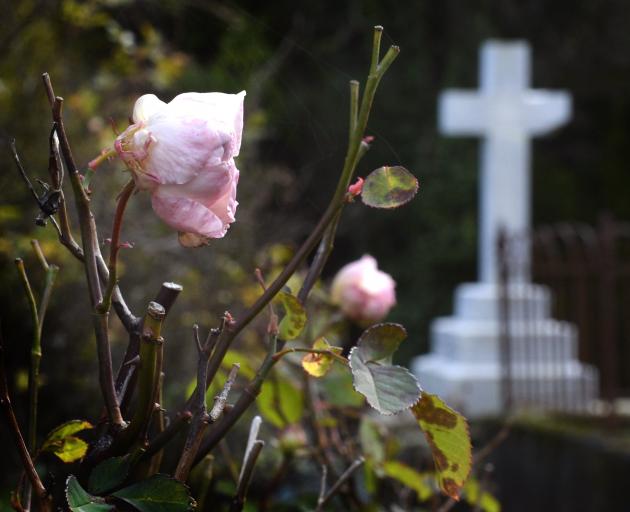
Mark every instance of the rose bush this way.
pixel 183 153
pixel 363 292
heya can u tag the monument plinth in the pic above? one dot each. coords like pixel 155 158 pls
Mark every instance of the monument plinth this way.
pixel 464 365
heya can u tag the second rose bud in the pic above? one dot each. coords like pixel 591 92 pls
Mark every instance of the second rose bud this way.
pixel 364 293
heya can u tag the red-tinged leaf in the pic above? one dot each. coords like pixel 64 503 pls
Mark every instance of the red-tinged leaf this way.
pixel 389 187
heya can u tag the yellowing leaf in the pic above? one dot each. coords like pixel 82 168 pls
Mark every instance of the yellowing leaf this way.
pixel 447 434
pixel 294 320
pixel 406 475
pixel 67 429
pixel 71 449
pixel 318 365
pixel 63 444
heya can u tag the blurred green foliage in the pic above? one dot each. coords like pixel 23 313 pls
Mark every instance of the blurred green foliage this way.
pixel 295 62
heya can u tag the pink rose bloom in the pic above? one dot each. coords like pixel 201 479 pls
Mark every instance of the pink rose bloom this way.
pixel 363 292
pixel 183 152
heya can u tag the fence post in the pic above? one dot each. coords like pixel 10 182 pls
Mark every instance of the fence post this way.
pixel 504 319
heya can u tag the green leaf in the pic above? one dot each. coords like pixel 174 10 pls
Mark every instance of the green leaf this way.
pixel 80 501
pixel 109 474
pixel 477 497
pixel 294 320
pixel 160 493
pixel 388 389
pixel 280 401
pixel 408 476
pixel 63 444
pixel 389 187
pixel 447 434
pixel 379 342
pixel 318 365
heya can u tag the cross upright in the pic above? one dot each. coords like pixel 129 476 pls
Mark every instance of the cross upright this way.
pixel 507 114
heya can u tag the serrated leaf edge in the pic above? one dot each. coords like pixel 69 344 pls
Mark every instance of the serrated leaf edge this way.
pixel 393 413
pixel 97 499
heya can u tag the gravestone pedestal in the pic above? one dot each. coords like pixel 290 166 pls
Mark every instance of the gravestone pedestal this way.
pixel 465 366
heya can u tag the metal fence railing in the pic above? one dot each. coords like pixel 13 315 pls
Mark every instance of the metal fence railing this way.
pixel 585 271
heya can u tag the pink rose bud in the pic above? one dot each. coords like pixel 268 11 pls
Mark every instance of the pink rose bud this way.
pixel 183 152
pixel 364 293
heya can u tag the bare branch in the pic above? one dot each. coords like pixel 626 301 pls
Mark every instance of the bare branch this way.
pixel 337 485
pixel 254 447
pixel 27 462
pixel 221 399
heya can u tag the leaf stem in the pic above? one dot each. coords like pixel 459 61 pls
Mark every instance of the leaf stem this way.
pixel 114 247
pixel 356 150
pixel 90 249
pixel 279 355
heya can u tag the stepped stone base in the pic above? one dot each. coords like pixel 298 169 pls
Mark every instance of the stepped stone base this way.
pixel 464 365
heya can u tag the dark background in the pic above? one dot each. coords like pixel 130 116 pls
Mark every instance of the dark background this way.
pixel 295 62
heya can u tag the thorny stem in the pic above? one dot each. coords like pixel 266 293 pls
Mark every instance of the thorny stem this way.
pixel 200 418
pixel 114 247
pixel 38 315
pixel 321 256
pixel 250 393
pixel 356 149
pixel 125 379
pixel 36 355
pixel 290 269
pixel 55 168
pixel 337 485
pixel 248 396
pixel 90 249
pixel 156 460
pixel 27 461
pixel 354 105
pixel 164 437
pixel 150 343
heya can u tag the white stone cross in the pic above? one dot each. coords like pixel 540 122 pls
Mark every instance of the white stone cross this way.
pixel 507 113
